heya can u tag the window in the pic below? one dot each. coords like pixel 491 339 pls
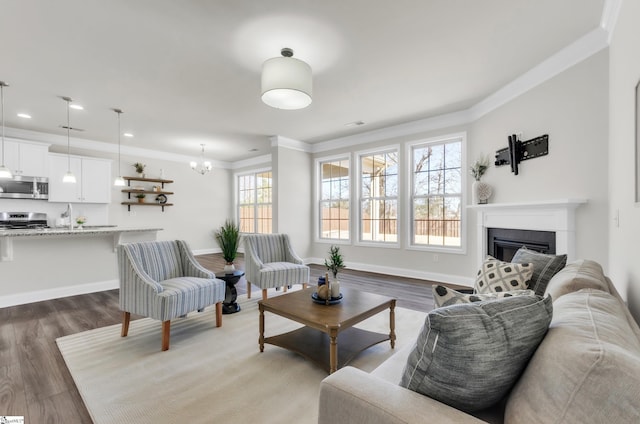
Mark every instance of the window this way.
pixel 254 202
pixel 334 199
pixel 379 197
pixel 436 197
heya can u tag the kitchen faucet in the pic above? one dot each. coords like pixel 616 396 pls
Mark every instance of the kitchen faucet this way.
pixel 68 213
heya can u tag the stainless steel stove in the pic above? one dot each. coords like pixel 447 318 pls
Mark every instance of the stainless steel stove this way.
pixel 22 220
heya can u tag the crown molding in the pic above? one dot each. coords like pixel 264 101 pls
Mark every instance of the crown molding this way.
pixel 610 13
pixel 574 53
pixel 99 146
pixel 289 143
pixel 251 162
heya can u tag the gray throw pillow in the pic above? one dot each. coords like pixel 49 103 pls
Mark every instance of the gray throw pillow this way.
pixel 497 276
pixel 470 355
pixel 444 296
pixel 545 266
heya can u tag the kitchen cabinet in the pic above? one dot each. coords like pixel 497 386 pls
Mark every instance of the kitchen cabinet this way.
pixel 26 159
pixel 93 179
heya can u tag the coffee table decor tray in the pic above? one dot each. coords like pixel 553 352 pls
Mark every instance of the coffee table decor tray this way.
pixel 332 301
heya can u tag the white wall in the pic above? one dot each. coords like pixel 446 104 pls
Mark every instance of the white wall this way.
pixel 624 73
pixel 292 171
pixel 572 109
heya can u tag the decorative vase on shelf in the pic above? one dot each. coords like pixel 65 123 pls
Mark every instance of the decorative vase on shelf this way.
pixel 481 192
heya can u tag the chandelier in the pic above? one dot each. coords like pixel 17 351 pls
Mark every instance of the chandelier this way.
pixel 203 166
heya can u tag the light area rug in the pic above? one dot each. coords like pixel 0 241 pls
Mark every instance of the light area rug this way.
pixel 209 374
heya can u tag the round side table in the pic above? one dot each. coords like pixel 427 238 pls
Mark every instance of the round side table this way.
pixel 229 306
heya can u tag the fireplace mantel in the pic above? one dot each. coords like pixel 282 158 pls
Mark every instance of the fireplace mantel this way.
pixel 553 215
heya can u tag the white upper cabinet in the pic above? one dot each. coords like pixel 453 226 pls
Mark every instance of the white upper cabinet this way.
pixel 93 179
pixel 26 159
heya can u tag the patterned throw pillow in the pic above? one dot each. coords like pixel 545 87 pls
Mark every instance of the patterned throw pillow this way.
pixel 469 356
pixel 497 276
pixel 444 296
pixel 545 266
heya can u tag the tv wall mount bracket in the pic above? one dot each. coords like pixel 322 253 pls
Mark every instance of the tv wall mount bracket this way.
pixel 518 151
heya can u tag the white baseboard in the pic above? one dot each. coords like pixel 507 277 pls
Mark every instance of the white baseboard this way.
pixel 40 295
pixel 213 250
pixel 402 272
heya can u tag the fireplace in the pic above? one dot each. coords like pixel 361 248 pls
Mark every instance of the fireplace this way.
pixel 503 243
pixel 556 217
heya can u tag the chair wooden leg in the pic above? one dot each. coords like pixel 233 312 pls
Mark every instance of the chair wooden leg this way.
pixel 264 294
pixel 248 290
pixel 126 319
pixel 304 286
pixel 218 314
pixel 166 330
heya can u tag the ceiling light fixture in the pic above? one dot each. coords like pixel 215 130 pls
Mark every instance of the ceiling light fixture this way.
pixel 24 115
pixel 128 135
pixel 5 172
pixel 119 181
pixel 68 177
pixel 286 82
pixel 204 166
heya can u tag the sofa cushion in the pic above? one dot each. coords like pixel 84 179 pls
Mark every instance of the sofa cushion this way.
pixel 497 276
pixel 444 296
pixel 545 266
pixel 580 274
pixel 586 370
pixel 469 355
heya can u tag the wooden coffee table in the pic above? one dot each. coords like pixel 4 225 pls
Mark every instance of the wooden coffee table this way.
pixel 318 339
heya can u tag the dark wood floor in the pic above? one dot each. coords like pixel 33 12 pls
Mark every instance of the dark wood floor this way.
pixel 34 380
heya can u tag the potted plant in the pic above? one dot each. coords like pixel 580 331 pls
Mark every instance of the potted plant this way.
pixel 228 237
pixel 140 197
pixel 479 167
pixel 480 191
pixel 139 168
pixel 335 262
pixel 80 220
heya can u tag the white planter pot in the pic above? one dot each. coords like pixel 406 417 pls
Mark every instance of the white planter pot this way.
pixel 481 192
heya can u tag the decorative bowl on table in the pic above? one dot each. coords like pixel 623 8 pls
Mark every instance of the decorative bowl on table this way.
pixel 319 300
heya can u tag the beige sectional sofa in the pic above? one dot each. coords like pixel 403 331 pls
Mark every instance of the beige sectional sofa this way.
pixel 586 370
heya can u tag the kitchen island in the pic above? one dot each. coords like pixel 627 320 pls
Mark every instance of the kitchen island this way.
pixel 46 263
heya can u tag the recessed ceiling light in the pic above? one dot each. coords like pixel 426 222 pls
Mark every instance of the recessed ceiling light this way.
pixel 24 115
pixel 76 106
pixel 354 124
pixel 127 135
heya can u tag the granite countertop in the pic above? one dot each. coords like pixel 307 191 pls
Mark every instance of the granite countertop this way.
pixel 86 230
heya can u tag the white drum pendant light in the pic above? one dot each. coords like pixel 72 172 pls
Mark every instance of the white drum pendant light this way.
pixel 286 82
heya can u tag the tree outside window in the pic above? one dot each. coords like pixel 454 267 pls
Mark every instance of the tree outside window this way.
pixel 379 197
pixel 437 194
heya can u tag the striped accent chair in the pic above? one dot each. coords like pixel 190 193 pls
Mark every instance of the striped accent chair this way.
pixel 270 261
pixel 162 280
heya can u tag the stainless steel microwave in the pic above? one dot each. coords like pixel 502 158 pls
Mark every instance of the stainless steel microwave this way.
pixel 20 187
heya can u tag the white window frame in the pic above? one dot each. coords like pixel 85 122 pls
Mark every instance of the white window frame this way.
pixel 357 200
pixel 318 198
pixel 253 172
pixel 408 216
